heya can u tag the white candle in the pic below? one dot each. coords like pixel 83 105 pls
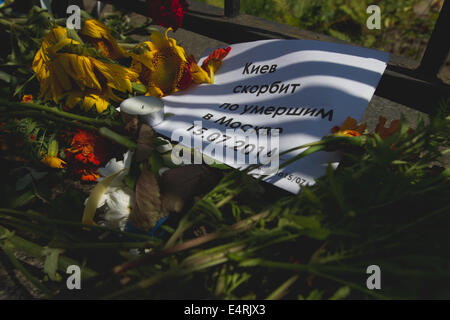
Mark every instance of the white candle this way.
pixel 150 109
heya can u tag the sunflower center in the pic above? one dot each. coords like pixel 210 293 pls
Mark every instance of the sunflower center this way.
pixel 168 69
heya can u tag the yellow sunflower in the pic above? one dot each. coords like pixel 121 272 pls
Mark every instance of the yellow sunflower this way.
pixel 41 59
pixel 99 35
pixel 160 64
pixel 82 78
pixel 87 100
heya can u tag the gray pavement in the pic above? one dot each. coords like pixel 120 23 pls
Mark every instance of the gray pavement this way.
pixel 196 45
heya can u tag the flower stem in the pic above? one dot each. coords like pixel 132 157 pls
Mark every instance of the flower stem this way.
pixel 117 138
pixel 35 250
pixel 312 269
pixel 45 220
pixel 281 291
pixel 58 112
pixel 103 130
pixel 233 230
pixel 7 247
pixel 37 114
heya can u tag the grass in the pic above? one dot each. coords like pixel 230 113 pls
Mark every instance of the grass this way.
pixel 406 25
pixel 387 204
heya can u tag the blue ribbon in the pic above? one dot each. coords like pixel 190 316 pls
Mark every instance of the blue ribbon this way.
pixel 132 229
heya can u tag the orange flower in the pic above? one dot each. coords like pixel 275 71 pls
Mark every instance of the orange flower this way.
pixel 384 132
pixel 88 148
pixel 214 61
pixel 27 98
pixel 89 175
pixel 192 74
pixel 86 153
pixel 349 128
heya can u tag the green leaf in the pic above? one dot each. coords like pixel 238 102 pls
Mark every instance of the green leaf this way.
pixel 339 35
pixel 349 11
pixel 399 162
pixel 311 196
pixel 156 163
pixel 138 88
pixel 23 199
pixel 309 226
pixel 53 148
pixel 130 181
pixel 341 293
pixel 250 263
pixel 23 182
pixel 210 208
pixel 214 163
pixel 158 141
pixel 315 295
pixel 5 76
pixel 20 88
pixel 51 263
pixel 220 166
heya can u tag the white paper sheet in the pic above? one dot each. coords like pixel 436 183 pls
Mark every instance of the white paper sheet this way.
pixel 336 80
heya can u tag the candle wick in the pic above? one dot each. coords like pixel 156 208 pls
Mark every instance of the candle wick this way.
pixel 142 106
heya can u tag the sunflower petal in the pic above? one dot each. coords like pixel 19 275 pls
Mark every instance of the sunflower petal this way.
pixel 73 99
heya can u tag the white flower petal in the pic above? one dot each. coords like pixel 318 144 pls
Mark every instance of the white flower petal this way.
pixel 113 165
pixel 114 215
pixel 116 219
pixel 119 198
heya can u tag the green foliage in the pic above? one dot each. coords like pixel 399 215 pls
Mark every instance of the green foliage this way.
pixel 386 204
pixel 406 25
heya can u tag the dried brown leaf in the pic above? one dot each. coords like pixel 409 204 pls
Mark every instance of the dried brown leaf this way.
pixel 144 142
pixel 131 123
pixel 147 210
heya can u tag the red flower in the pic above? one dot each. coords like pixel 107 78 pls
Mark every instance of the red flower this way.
pixel 349 128
pixel 86 153
pixel 186 80
pixel 27 98
pixel 167 13
pixel 88 174
pixel 88 148
pixel 214 60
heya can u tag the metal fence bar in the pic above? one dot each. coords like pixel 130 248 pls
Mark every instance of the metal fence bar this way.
pixel 438 48
pixel 232 8
pixel 402 85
